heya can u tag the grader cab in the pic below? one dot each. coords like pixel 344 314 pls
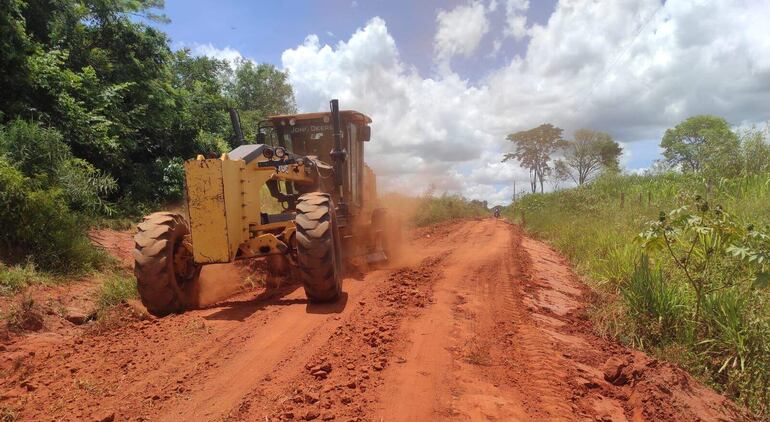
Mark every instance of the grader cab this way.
pixel 313 165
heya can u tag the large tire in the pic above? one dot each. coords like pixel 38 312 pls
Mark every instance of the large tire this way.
pixel 319 250
pixel 163 289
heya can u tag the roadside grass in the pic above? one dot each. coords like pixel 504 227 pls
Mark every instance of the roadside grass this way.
pixel 116 288
pixel 14 278
pixel 646 301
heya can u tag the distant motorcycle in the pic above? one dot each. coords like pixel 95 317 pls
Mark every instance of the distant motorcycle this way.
pixel 497 213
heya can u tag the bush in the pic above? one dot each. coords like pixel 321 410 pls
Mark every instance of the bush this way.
pixel 41 154
pixel 39 227
pixel 16 277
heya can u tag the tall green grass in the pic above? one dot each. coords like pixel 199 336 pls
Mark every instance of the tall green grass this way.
pixel 115 289
pixel 646 301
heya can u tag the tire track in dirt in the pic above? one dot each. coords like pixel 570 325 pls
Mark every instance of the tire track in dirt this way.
pixel 194 366
pixel 508 339
pixel 337 380
pixel 478 323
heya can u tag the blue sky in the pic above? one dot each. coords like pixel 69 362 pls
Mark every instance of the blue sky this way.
pixel 446 81
pixel 263 30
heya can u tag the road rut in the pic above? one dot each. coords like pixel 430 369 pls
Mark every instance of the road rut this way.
pixel 476 322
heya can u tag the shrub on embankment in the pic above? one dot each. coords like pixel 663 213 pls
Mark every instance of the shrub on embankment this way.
pixel 45 197
pixel 680 268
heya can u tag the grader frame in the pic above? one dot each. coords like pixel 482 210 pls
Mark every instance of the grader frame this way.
pixel 329 217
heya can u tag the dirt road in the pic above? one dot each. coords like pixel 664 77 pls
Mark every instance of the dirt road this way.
pixel 477 323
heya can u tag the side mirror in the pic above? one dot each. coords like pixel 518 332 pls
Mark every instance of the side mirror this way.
pixel 366 134
pixel 261 137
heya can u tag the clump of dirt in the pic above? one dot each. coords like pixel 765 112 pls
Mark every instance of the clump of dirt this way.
pixel 61 308
pixel 340 379
pixel 24 315
pixel 220 281
pixel 656 390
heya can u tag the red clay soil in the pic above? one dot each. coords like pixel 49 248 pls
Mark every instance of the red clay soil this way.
pixel 118 244
pixel 476 322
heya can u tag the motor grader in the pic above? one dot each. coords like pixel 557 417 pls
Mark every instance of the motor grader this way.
pixel 313 166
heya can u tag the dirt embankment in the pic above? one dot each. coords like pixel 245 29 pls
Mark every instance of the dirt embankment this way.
pixel 476 323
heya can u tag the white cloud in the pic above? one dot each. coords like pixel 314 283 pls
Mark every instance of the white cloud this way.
pixel 229 54
pixel 459 32
pixel 516 18
pixel 424 129
pixel 631 68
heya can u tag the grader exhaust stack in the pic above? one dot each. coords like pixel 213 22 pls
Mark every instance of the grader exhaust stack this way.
pixel 329 216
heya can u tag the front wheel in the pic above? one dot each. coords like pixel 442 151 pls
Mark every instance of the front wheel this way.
pixel 319 250
pixel 166 276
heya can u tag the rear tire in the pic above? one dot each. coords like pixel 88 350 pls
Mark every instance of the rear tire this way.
pixel 319 250
pixel 163 288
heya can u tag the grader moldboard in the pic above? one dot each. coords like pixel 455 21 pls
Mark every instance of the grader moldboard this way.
pixel 314 167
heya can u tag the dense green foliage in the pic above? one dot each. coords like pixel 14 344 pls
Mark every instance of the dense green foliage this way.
pixel 97 115
pixel 121 99
pixel 39 226
pixel 679 262
pixel 702 144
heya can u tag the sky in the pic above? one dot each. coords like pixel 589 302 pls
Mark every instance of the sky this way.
pixel 445 81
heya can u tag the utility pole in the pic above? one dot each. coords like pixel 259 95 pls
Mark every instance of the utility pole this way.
pixel 513 202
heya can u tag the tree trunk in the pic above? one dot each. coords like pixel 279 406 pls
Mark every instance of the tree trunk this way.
pixel 533 180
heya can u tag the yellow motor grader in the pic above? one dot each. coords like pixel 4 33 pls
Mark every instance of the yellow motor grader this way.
pixel 313 165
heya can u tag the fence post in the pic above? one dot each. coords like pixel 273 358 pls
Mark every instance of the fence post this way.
pixel 622 199
pixel 649 198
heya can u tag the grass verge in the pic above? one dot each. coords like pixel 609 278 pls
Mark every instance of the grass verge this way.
pixel 116 288
pixel 713 319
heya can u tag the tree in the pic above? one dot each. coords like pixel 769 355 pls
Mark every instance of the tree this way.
pixel 259 90
pixel 588 154
pixel 533 151
pixel 121 100
pixel 702 144
pixel 261 87
pixel 756 150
